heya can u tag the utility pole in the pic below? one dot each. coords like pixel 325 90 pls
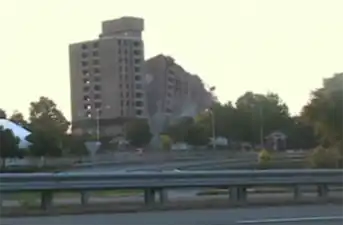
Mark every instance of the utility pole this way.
pixel 261 127
pixel 213 129
pixel 97 124
pixel 212 89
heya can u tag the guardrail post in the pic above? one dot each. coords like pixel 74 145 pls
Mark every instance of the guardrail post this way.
pixel 233 194
pixel 149 196
pixel 323 191
pixel 84 198
pixel 163 195
pixel 242 194
pixel 297 192
pixel 46 200
pixel 1 200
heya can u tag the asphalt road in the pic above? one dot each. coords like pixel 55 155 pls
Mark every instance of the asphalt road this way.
pixel 163 166
pixel 292 215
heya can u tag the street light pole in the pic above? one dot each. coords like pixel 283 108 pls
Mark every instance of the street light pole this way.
pixel 213 130
pixel 213 120
pixel 261 128
pixel 97 124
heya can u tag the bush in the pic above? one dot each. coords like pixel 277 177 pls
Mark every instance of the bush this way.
pixel 166 142
pixel 325 157
pixel 264 158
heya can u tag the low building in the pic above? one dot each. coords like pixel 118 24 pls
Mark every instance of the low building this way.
pixel 276 140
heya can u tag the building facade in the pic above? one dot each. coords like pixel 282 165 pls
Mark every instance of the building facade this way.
pixel 171 93
pixel 172 90
pixel 106 76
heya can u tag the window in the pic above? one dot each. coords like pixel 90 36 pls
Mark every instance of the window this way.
pixel 138 78
pixel 85 73
pixel 84 46
pixel 96 70
pixel 138 112
pixel 97 87
pixel 137 61
pixel 127 94
pixel 119 42
pixel 95 44
pixel 87 106
pixel 139 103
pixel 127 86
pixel 136 43
pixel 138 86
pixel 139 95
pixel 168 110
pixel 127 103
pixel 120 60
pixel 86 88
pixel 88 114
pixel 95 53
pixel 121 77
pixel 122 103
pixel 136 52
pixel 126 77
pixel 97 78
pixel 97 105
pixel 125 42
pixel 86 98
pixel 121 94
pixel 97 96
pixel 84 55
pixel 86 81
pixel 95 62
pixel 84 63
pixel 120 85
pixel 137 69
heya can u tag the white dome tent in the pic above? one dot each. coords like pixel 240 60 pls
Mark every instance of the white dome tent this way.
pixel 18 131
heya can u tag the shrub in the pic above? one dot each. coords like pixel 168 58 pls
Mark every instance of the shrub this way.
pixel 264 158
pixel 325 157
pixel 166 142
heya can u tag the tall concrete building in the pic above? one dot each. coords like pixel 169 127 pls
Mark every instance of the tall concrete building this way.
pixel 106 76
pixel 173 90
pixel 171 93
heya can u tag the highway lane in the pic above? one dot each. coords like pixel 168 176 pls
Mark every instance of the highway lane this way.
pixel 162 166
pixel 292 215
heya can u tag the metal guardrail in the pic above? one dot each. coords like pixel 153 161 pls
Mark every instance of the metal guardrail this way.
pixel 236 181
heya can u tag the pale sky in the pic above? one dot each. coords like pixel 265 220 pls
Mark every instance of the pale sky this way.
pixel 284 46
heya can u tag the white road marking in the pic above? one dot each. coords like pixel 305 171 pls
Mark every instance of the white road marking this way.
pixel 288 220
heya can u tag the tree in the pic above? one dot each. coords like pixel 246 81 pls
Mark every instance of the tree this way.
pixel 3 114
pixel 76 144
pixel 8 145
pixel 45 116
pixel 44 144
pixel 138 132
pixel 178 130
pixel 197 135
pixel 18 118
pixel 300 135
pixel 324 111
pixel 255 111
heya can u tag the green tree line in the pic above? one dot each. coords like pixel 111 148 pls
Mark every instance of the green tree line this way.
pixel 319 123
